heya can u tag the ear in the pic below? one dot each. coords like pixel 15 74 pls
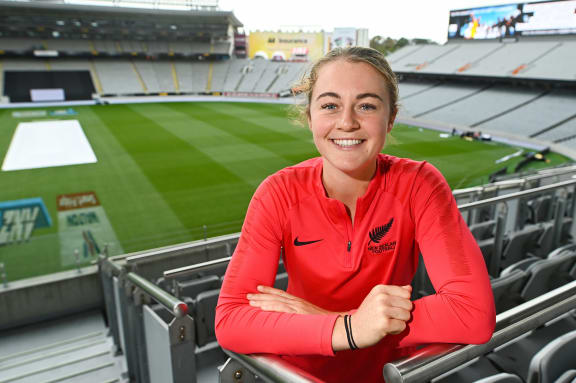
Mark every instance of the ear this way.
pixel 308 118
pixel 390 123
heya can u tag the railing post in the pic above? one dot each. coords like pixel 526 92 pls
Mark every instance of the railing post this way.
pixel 182 349
pixel 558 221
pixel 499 233
pixel 108 292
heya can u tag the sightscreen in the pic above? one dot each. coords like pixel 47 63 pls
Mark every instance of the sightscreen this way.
pixel 511 20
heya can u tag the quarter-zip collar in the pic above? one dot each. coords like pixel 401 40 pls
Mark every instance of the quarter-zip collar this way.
pixel 334 207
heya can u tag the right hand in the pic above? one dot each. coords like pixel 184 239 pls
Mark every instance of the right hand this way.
pixel 384 311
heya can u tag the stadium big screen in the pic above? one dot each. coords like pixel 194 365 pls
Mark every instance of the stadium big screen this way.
pixel 512 20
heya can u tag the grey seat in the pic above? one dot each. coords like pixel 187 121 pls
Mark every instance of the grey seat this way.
pixel 500 378
pixel 547 275
pixel 281 281
pixel 483 230
pixel 567 377
pixel 193 287
pixel 507 290
pixel 553 360
pixel 520 245
pixel 520 265
pixel 205 315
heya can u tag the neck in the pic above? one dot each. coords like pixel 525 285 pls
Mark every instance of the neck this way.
pixel 347 187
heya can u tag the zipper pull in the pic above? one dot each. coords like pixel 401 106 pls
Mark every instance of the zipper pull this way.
pixel 349 245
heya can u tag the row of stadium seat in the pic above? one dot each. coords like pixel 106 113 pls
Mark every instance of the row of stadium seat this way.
pixel 113 48
pixel 526 59
pixel 544 115
pixel 132 76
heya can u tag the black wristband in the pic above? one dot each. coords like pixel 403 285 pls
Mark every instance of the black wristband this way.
pixel 351 336
pixel 349 332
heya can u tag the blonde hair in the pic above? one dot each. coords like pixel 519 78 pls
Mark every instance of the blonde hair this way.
pixel 352 54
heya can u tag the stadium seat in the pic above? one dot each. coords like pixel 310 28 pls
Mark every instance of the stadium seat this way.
pixel 520 245
pixel 507 289
pixel 480 369
pixel 516 356
pixel 483 230
pixel 487 247
pixel 191 288
pixel 520 265
pixel 553 360
pixel 547 275
pixel 205 315
pixel 281 281
pixel 567 377
pixel 500 378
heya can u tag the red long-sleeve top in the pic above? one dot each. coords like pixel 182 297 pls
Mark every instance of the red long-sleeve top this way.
pixel 408 208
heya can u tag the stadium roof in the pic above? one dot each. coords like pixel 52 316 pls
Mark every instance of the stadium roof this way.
pixel 56 19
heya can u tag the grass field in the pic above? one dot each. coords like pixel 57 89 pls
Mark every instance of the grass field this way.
pixel 165 170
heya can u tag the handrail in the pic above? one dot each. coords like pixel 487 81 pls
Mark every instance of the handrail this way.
pixel 507 197
pixel 174 305
pixel 437 359
pixel 271 369
pixel 187 270
pixel 166 252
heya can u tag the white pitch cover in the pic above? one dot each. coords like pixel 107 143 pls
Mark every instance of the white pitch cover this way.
pixel 46 144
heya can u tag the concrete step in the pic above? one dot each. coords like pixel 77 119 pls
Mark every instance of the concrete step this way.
pixel 90 366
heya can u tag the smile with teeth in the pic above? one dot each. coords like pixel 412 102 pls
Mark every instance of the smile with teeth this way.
pixel 346 143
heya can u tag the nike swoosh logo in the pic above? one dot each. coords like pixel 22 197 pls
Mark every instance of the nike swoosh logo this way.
pixel 298 243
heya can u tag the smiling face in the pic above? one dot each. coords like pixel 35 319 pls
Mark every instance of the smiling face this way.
pixel 350 117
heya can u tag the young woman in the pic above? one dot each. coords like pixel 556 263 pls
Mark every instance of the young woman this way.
pixel 351 224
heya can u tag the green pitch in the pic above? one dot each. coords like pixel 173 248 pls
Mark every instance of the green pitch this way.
pixel 174 172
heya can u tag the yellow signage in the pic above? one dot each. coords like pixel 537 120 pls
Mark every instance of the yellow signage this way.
pixel 297 46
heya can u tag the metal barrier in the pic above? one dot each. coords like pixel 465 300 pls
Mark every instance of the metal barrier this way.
pixel 156 332
pixel 435 360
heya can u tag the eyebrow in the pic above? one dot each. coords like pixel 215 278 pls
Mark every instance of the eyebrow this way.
pixel 358 97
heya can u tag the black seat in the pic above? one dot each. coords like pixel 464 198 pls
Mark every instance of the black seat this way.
pixel 501 378
pixel 205 315
pixel 507 290
pixel 567 377
pixel 553 360
pixel 520 245
pixel 547 275
pixel 193 287
pixel 483 230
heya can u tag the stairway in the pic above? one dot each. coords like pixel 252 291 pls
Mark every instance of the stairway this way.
pixel 71 349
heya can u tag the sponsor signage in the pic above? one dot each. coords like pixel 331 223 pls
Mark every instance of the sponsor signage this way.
pixel 270 44
pixel 83 228
pixel 511 20
pixel 19 219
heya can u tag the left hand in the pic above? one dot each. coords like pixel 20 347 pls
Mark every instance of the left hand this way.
pixel 271 299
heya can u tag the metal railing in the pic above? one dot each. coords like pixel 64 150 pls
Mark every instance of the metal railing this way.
pixel 435 360
pixel 131 293
pixel 432 360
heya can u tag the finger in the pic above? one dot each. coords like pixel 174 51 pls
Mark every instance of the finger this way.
pixel 273 306
pixel 392 290
pixel 407 287
pixel 397 313
pixel 272 290
pixel 401 303
pixel 268 298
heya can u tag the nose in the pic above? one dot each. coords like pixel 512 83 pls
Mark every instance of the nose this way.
pixel 348 120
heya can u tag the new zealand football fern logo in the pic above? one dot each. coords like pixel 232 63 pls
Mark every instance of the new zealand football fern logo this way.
pixel 377 234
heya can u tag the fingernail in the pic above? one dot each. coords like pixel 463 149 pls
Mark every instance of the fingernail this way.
pixel 249 296
pixel 260 288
